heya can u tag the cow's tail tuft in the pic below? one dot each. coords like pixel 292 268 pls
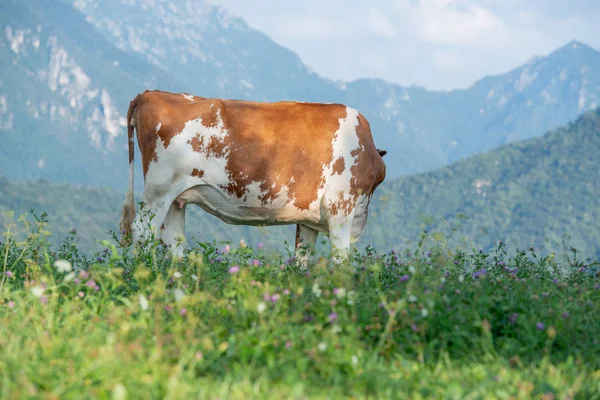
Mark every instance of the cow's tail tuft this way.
pixel 128 210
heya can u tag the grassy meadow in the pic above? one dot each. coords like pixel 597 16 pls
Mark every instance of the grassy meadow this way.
pixel 229 321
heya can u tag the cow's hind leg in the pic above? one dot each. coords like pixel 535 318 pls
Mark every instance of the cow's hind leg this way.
pixel 150 219
pixel 306 241
pixel 173 228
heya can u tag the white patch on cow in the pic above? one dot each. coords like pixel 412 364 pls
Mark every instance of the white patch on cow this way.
pixel 180 159
pixel 158 127
pixel 345 140
pixel 188 96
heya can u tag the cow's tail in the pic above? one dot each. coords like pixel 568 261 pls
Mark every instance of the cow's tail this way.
pixel 128 210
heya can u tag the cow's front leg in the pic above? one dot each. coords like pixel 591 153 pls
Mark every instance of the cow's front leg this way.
pixel 306 241
pixel 340 234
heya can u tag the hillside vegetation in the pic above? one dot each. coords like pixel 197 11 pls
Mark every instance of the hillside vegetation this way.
pixel 94 212
pixel 532 192
pixel 245 324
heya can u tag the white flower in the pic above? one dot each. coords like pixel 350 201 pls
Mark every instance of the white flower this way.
pixel 177 275
pixel 242 243
pixel 69 277
pixel 143 302
pixel 194 277
pixel 179 294
pixel 37 291
pixel 411 269
pixel 354 360
pixel 443 279
pixel 412 298
pixel 461 278
pixel 316 290
pixel 62 265
pixel 261 307
pixel 424 312
pixel 322 346
pixel 119 392
pixel 340 292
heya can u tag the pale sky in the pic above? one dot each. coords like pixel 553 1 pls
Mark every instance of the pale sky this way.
pixel 438 44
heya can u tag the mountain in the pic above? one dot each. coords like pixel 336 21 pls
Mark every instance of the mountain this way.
pixel 531 192
pixel 69 68
pixel 63 92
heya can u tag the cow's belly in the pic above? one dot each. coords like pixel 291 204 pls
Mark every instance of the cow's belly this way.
pixel 246 210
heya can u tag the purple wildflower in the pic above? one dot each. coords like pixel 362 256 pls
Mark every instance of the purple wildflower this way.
pixel 84 274
pixel 286 292
pixel 308 318
pixel 332 317
pixel 9 274
pixel 288 344
pixel 77 280
pixel 539 325
pixel 256 263
pixel 90 284
pixel 11 304
pixel 404 278
pixel 234 269
pixel 457 291
pixel 480 273
pixel 266 297
pixel 260 246
pixel 275 297
pixel 597 286
pixel 182 311
pixel 413 327
pixel 513 318
pixel 44 299
pixel 565 315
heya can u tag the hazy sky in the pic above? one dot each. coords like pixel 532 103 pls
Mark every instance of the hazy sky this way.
pixel 439 44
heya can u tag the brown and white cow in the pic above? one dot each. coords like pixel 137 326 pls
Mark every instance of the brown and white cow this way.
pixel 253 163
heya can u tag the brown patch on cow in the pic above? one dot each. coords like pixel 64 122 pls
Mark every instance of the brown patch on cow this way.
pixel 281 144
pixel 339 166
pixel 369 169
pixel 198 173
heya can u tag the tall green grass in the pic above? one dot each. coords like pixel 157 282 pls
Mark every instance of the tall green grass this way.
pixel 238 322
